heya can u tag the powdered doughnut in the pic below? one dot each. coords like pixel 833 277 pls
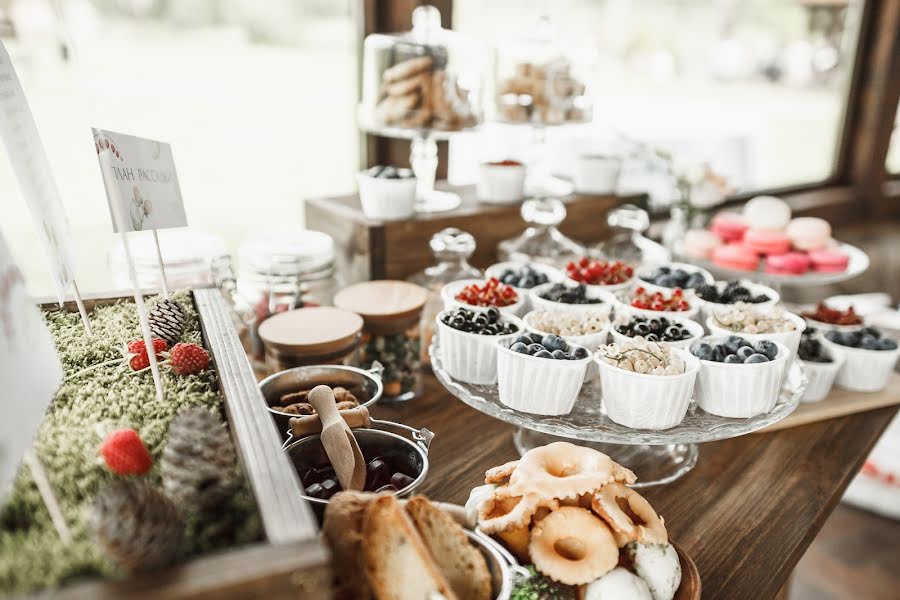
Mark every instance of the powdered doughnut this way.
pixel 573 546
pixel 561 470
pixel 500 474
pixel 629 515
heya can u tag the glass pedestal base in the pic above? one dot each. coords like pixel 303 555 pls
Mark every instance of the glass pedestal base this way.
pixel 655 465
pixel 434 201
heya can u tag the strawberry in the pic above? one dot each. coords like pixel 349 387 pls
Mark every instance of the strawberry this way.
pixel 188 359
pixel 137 350
pixel 124 453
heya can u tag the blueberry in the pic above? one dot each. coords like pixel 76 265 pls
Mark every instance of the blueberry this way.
pixel 886 344
pixel 652 337
pixel 868 342
pixel 519 347
pixel 559 355
pixel 702 350
pixel 852 338
pixel 673 333
pixel 509 279
pixel 694 281
pixel 641 329
pixel 680 274
pixel 743 352
pixel 733 359
pixel 551 342
pixel 720 352
pixel 525 340
pixel 756 358
pixel 767 349
pixel 834 336
pixel 542 354
pixel 579 353
pixel 658 273
pixel 669 281
pixel 734 342
pixel 492 314
pixel 535 338
pixel 533 349
pixel 389 173
pixel 870 331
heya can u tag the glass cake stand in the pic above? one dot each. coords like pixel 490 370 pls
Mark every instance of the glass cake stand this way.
pixel 657 456
pixel 859 263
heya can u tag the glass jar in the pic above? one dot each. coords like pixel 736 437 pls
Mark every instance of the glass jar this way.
pixel 242 314
pixel 391 311
pixel 626 241
pixel 452 249
pixel 541 242
pixel 186 253
pixel 311 336
pixel 281 272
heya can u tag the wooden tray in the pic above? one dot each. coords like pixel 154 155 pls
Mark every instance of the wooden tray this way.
pixel 292 563
pixel 690 577
pixel 840 403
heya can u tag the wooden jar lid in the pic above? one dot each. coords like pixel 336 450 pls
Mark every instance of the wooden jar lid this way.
pixel 384 300
pixel 316 330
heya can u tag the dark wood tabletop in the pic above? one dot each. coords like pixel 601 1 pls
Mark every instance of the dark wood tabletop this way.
pixel 746 513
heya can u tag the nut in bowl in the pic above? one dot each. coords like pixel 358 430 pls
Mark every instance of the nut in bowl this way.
pixel 646 385
pixel 540 374
pixel 468 342
pixel 869 358
pixel 669 276
pixel 755 324
pixel 677 332
pixel 570 297
pixel 738 379
pixel 479 295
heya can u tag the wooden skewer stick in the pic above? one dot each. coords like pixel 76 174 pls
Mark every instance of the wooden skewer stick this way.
pixel 47 495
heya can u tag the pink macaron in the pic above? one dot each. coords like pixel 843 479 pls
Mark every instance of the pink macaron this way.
pixel 735 256
pixel 791 263
pixel 809 233
pixel 729 226
pixel 829 260
pixel 764 241
pixel 700 243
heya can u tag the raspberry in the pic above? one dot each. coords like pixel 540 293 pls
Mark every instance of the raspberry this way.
pixel 140 360
pixel 124 453
pixel 188 359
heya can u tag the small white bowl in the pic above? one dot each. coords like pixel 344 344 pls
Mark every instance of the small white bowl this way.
pixel 820 377
pixel 472 357
pixel 591 341
pixel 863 370
pixel 623 308
pixel 755 289
pixel 597 173
pixel 553 274
pixel 605 305
pixel 646 270
pixel 501 184
pixel 821 326
pixel 643 401
pixel 695 328
pixel 737 390
pixel 386 199
pixel 450 290
pixel 791 339
pixel 542 386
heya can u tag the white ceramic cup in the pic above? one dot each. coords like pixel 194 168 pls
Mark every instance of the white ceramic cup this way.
pixel 542 386
pixel 597 173
pixel 501 184
pixel 472 357
pixel 385 199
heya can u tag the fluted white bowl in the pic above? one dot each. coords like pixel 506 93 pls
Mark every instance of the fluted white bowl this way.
pixel 543 386
pixel 472 357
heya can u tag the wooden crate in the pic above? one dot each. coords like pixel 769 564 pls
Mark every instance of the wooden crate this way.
pixel 368 249
pixel 292 562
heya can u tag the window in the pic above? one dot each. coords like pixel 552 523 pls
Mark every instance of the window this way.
pixel 758 87
pixel 257 99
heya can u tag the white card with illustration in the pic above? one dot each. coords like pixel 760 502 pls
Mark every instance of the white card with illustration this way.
pixel 139 175
pixel 29 368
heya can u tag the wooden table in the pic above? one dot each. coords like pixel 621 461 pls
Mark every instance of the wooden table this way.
pixel 745 514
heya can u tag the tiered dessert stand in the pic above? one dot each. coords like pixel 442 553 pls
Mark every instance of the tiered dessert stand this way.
pixel 659 456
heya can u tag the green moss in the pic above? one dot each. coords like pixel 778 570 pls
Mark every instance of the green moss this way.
pixel 31 555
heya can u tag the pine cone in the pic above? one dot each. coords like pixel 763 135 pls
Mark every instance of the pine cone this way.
pixel 198 461
pixel 167 321
pixel 137 527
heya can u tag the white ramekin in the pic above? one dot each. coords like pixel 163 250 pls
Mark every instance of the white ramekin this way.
pixel 695 328
pixel 791 339
pixel 542 386
pixel 500 184
pixel 450 290
pixel 591 341
pixel 645 270
pixel 643 401
pixel 553 274
pixel 863 370
pixel 538 303
pixel 820 377
pixel 386 199
pixel 755 289
pixel 737 390
pixel 613 288
pixel 623 308
pixel 597 173
pixel 471 357
pixel 823 327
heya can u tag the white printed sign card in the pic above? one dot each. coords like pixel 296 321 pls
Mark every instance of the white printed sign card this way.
pixel 29 161
pixel 30 371
pixel 140 177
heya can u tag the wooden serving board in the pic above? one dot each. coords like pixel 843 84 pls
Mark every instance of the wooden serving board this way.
pixel 840 403
pixel 690 587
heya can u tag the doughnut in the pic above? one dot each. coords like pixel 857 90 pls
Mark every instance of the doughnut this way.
pixel 500 474
pixel 572 546
pixel 629 515
pixel 516 541
pixel 561 470
pixel 504 510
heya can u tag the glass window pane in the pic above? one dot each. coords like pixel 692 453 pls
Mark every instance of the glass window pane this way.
pixel 257 99
pixel 756 87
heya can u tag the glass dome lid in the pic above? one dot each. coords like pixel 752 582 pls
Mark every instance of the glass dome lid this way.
pixel 428 78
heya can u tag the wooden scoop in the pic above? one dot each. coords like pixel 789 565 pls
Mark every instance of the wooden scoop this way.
pixel 340 445
pixel 309 424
